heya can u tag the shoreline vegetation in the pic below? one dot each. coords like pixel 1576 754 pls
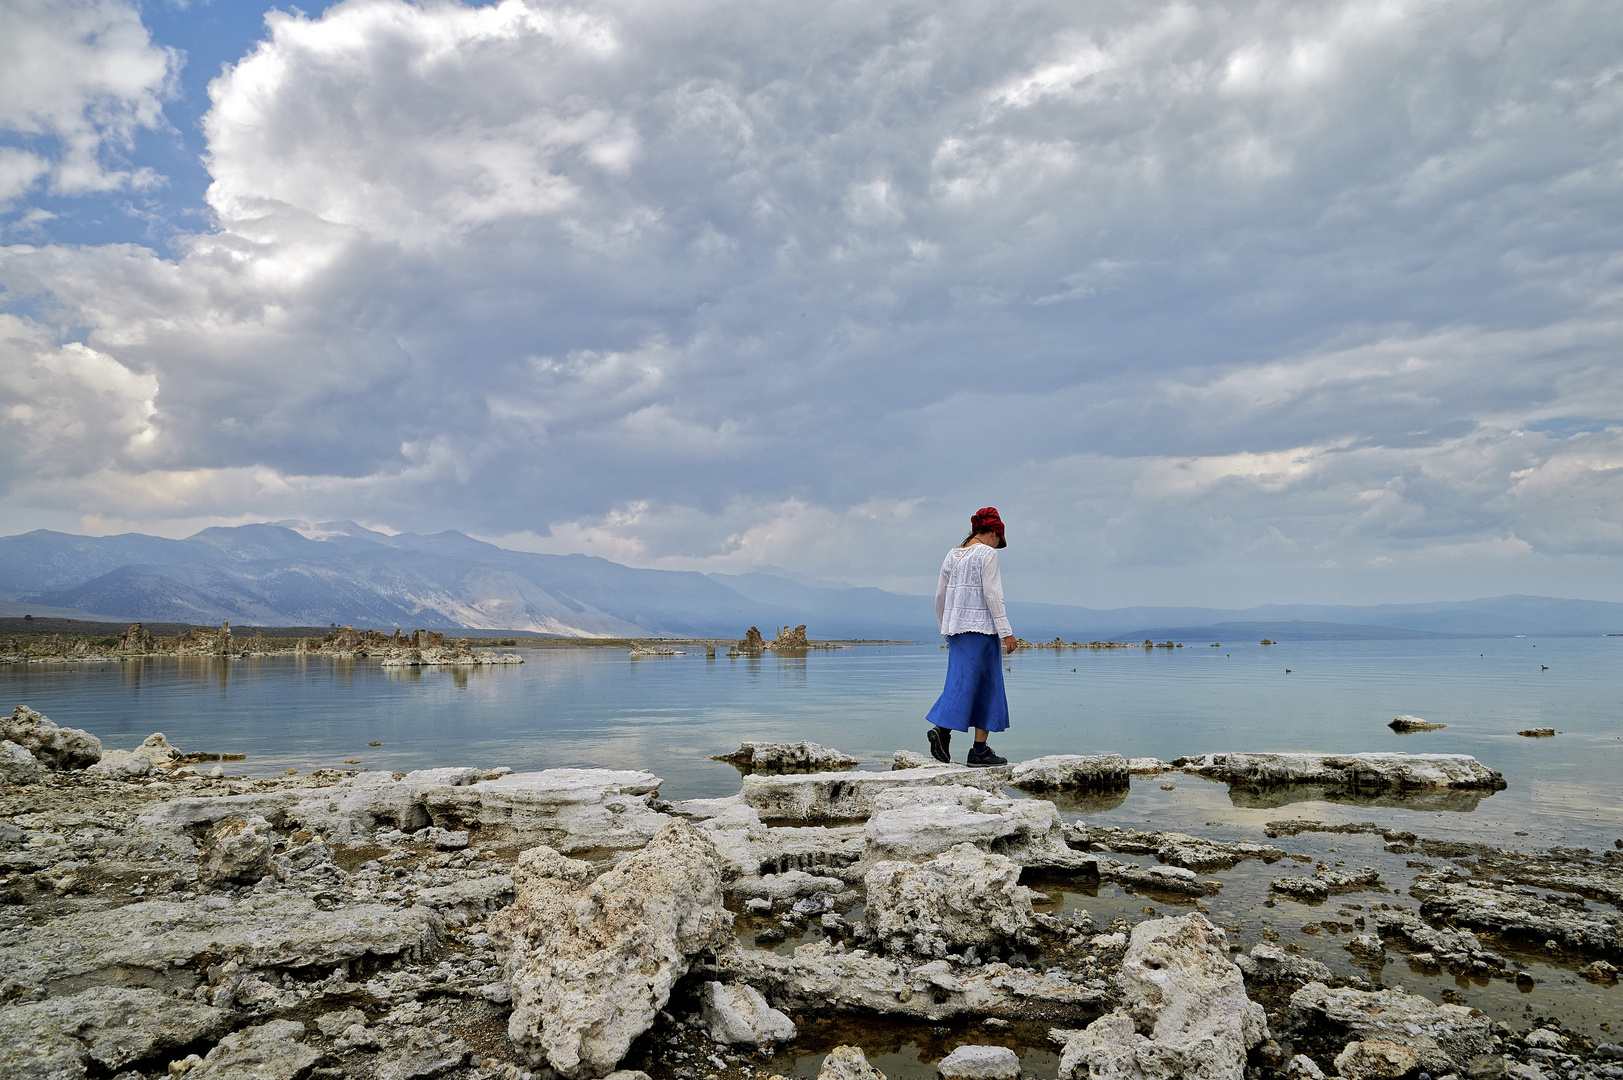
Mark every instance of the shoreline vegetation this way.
pixel 482 924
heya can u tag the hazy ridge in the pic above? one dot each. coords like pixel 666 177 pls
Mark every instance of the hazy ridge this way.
pixel 339 572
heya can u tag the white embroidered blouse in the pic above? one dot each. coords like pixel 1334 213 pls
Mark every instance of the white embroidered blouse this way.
pixel 969 596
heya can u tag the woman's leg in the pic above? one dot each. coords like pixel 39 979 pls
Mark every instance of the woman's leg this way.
pixel 980 734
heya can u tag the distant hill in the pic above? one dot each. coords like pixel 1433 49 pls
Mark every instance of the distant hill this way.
pixel 288 573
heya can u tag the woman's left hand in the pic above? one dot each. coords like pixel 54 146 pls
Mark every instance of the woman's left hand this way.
pixel 1009 645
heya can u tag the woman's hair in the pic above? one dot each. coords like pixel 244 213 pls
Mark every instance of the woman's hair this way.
pixel 968 538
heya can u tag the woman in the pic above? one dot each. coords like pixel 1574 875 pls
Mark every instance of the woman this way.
pixel 969 607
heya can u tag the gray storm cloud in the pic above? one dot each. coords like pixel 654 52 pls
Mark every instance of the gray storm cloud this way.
pixel 1220 302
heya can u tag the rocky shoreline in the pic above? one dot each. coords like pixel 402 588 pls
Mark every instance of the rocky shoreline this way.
pixel 418 649
pixel 162 918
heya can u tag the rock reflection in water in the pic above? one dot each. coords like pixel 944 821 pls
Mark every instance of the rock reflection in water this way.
pixel 1270 798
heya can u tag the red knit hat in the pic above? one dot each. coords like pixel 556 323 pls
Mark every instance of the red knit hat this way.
pixel 987 518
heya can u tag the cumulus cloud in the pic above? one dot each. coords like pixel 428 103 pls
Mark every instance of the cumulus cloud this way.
pixel 78 78
pixel 1219 293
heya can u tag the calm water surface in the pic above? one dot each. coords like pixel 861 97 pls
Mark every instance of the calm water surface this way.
pixel 601 707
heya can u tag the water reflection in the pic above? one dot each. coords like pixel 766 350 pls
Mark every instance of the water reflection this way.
pixel 1271 798
pixel 598 708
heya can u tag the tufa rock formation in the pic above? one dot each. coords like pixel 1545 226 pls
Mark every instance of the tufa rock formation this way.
pixel 591 962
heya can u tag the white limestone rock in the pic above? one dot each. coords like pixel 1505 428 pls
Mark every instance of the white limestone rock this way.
pixel 57 748
pixel 963 896
pixel 591 962
pixel 271 1051
pixel 236 849
pixel 1184 1013
pixel 1445 1037
pixel 18 766
pixel 796 757
pixel 1091 772
pixel 121 765
pixel 917 823
pixel 1302 1067
pixel 739 1014
pixel 781 862
pixel 573 809
pixel 1368 770
pixel 980 1063
pixel 567 809
pixel 159 942
pixel 855 981
pixel 107 1027
pixel 848 1063
pixel 1376 1059
pixel 1269 965
pixel 824 797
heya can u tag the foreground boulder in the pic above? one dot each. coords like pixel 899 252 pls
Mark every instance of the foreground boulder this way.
pixel 18 766
pixel 1356 771
pixel 740 1014
pixel 964 896
pixel 1442 1038
pixel 1184 1013
pixel 236 849
pixel 273 1051
pixel 591 962
pixel 104 1028
pixel 56 748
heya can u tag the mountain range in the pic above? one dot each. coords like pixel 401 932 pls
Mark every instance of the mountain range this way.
pixel 290 573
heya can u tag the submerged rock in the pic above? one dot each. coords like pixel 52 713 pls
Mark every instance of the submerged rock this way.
pixel 1444 1038
pixel 1519 912
pixel 797 757
pixel 1370 770
pixel 591 962
pixel 56 748
pixel 1327 881
pixel 847 1062
pixel 1185 1012
pixel 1179 849
pixel 964 896
pixel 980 1063
pixel 1406 724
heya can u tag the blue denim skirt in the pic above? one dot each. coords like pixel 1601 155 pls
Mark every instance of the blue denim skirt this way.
pixel 973 697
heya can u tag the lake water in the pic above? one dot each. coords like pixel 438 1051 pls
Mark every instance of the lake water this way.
pixel 602 707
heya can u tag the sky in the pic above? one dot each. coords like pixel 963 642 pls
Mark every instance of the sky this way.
pixel 1218 303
